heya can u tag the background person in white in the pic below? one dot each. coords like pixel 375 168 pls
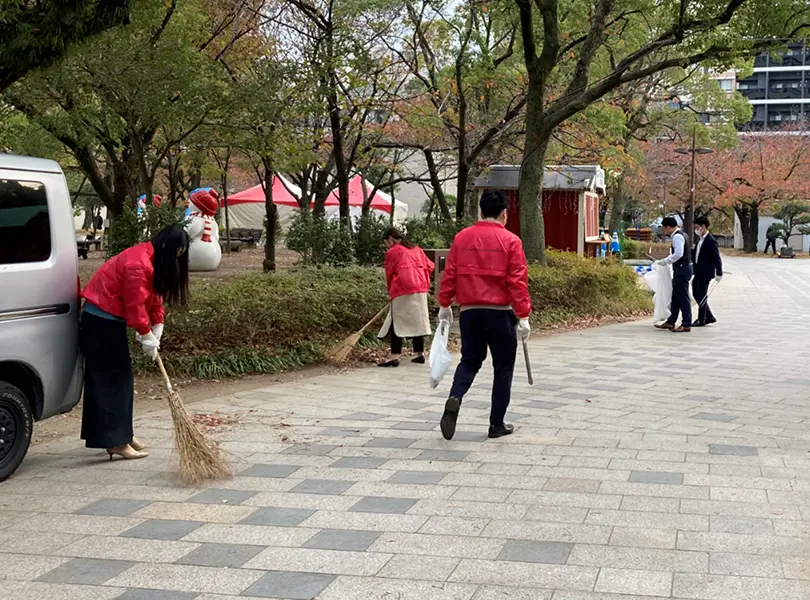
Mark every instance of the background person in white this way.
pixel 680 258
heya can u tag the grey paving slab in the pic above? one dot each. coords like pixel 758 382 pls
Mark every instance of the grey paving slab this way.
pixel 289 585
pixel 417 477
pixel 733 450
pixel 220 555
pixel 542 405
pixel 112 507
pixel 156 595
pixel 342 539
pixel 342 432
pixel 280 517
pixel 449 455
pixel 656 477
pixel 310 449
pixel 359 462
pixel 382 442
pixel 365 416
pixel 215 496
pixel 322 486
pixel 87 571
pixel 373 504
pixel 410 405
pixel 553 553
pixel 714 417
pixel 162 529
pixel 262 470
pixel 415 426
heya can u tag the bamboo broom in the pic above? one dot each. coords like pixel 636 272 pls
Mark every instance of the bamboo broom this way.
pixel 341 352
pixel 200 458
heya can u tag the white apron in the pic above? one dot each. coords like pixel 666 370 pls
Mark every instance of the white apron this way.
pixel 409 317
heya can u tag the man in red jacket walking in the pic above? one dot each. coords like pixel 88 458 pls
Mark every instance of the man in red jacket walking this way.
pixel 486 275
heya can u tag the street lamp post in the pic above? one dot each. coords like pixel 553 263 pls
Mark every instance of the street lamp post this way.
pixel 689 225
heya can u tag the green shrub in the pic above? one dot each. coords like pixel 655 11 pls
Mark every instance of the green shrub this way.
pixel 266 324
pixel 631 249
pixel 129 228
pixel 368 245
pixel 432 233
pixel 572 287
pixel 320 240
pixel 260 324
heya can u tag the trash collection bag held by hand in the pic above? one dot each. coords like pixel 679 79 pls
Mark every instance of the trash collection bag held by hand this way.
pixel 660 282
pixel 440 358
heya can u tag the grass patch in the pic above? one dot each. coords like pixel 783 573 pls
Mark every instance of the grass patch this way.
pixel 268 324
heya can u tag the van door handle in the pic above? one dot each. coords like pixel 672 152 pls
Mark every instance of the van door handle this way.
pixel 30 313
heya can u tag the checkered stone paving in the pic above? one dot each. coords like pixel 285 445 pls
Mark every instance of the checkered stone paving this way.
pixel 644 465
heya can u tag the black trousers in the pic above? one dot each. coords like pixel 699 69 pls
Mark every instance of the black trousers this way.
pixel 396 343
pixel 700 290
pixel 484 328
pixel 769 244
pixel 681 305
pixel 108 382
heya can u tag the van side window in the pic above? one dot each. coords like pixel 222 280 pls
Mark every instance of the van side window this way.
pixel 25 227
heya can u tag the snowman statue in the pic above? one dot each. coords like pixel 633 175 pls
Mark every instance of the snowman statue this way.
pixel 156 200
pixel 204 253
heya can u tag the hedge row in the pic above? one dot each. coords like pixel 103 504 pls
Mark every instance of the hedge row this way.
pixel 266 324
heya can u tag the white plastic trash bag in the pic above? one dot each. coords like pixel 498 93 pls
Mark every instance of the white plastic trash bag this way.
pixel 660 282
pixel 440 358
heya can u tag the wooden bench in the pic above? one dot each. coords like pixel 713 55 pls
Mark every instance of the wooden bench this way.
pixel 241 237
pixel 83 246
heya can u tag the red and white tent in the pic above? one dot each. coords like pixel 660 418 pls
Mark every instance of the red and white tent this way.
pixel 246 208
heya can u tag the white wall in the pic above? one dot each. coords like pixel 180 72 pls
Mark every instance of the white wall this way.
pixel 797 242
pixel 413 194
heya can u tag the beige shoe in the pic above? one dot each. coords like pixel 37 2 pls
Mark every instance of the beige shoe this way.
pixel 126 452
pixel 137 444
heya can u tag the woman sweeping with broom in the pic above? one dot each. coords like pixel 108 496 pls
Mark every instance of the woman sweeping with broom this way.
pixel 128 291
pixel 407 272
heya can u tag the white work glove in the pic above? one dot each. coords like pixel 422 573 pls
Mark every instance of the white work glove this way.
pixel 149 343
pixel 157 331
pixel 524 329
pixel 446 314
pixel 719 278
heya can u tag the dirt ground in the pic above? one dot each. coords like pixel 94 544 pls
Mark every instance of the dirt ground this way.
pixel 741 254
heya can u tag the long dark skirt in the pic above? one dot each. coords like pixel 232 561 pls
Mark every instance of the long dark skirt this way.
pixel 108 383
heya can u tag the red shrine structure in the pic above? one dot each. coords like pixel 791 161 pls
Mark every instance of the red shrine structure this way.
pixel 571 197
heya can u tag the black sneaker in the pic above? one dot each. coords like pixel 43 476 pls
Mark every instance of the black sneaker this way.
pixel 501 430
pixel 419 360
pixel 389 363
pixel 449 418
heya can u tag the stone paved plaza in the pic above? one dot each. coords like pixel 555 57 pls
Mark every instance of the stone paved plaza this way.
pixel 644 465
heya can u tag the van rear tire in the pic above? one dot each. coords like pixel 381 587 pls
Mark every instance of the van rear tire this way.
pixel 16 427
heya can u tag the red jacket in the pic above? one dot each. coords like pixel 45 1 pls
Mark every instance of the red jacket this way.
pixel 487 267
pixel 123 288
pixel 407 271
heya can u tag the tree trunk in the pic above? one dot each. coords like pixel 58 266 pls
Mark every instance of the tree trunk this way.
pixel 435 182
pixel 532 227
pixel 224 181
pixel 619 202
pixel 272 218
pixel 749 225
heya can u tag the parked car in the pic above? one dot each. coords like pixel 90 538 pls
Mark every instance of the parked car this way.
pixel 40 363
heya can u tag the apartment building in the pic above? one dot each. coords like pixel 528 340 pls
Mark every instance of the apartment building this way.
pixel 778 90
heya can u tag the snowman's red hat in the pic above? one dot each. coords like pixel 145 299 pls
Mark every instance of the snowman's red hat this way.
pixel 206 199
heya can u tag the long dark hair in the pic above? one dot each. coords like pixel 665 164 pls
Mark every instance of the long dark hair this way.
pixel 171 265
pixel 397 235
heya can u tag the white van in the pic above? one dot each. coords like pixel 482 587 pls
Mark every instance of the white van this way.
pixel 41 369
